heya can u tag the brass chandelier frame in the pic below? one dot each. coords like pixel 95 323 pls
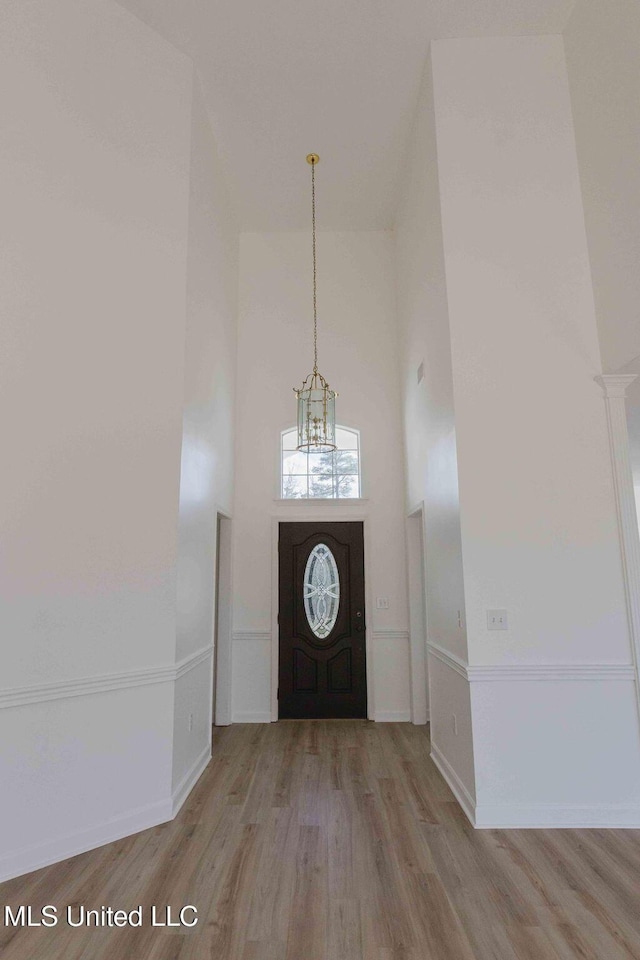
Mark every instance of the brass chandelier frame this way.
pixel 316 399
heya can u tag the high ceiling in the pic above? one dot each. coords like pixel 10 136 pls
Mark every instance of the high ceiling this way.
pixel 337 77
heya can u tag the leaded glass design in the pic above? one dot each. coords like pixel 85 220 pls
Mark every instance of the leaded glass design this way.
pixel 321 591
pixel 330 475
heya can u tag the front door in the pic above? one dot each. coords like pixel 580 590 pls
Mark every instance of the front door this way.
pixel 322 671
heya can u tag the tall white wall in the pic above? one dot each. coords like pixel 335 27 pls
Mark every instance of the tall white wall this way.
pixel 601 42
pixel 633 421
pixel 429 432
pixel 555 724
pixel 632 405
pixel 95 165
pixel 206 479
pixel 359 356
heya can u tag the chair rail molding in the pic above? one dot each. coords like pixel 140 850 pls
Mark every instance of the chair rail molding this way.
pixel 542 672
pixel 239 635
pixel 390 634
pixel 614 387
pixel 86 686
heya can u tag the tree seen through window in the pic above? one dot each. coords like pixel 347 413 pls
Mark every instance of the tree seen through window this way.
pixel 334 475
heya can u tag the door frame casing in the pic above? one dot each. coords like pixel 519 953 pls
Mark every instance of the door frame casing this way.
pixel 307 514
pixel 415 536
pixel 223 566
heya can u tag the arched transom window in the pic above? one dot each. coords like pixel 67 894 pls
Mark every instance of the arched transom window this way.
pixel 321 475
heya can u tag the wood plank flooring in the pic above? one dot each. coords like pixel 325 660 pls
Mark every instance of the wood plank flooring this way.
pixel 339 840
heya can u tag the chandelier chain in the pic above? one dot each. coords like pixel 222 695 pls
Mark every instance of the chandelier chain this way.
pixel 316 399
pixel 315 299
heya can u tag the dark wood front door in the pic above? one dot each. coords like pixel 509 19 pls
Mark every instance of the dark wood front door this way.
pixel 322 671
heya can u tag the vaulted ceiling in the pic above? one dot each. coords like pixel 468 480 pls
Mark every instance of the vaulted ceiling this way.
pixel 337 77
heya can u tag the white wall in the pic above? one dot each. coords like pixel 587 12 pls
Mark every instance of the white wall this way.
pixel 358 355
pixel 632 404
pixel 95 167
pixel 429 427
pixel 95 180
pixel 206 479
pixel 601 41
pixel 534 471
pixel 538 521
pixel 633 424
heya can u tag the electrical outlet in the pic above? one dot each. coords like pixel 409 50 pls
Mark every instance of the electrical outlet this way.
pixel 497 620
pixel 454 723
pixel 459 619
pixel 190 722
pixel 382 603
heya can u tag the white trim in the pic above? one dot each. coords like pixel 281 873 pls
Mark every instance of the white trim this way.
pixel 252 716
pixel 417 605
pixel 615 387
pixel 393 716
pixel 342 501
pixel 189 780
pixel 535 816
pixel 70 845
pixel 116 828
pixel 455 784
pixel 85 686
pixel 551 672
pixel 545 816
pixel 222 615
pixel 449 659
pixel 284 511
pixel 510 672
pixel 142 818
pixel 390 634
pixel 193 660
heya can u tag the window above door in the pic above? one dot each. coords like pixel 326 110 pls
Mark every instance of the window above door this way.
pixel 321 476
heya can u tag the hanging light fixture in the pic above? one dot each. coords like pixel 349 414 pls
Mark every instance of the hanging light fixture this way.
pixel 316 399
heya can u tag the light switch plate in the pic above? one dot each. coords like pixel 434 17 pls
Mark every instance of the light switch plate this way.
pixel 382 603
pixel 497 620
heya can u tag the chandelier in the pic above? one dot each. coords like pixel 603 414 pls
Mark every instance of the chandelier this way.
pixel 316 399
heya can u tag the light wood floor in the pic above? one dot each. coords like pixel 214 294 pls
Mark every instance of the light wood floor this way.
pixel 339 840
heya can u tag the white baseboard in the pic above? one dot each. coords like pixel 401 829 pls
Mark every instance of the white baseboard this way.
pixel 392 716
pixel 546 816
pixel 70 845
pixel 458 788
pixel 190 779
pixel 536 816
pixel 422 722
pixel 252 716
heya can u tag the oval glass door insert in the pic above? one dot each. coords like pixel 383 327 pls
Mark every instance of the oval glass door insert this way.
pixel 321 591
